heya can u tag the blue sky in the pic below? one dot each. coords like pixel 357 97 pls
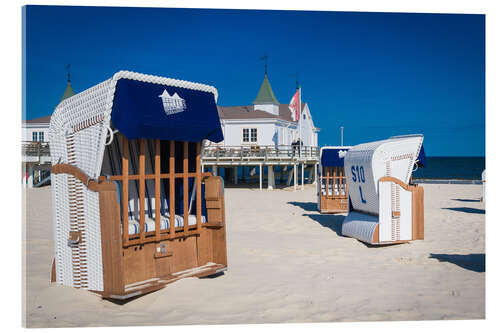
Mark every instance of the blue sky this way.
pixel 376 74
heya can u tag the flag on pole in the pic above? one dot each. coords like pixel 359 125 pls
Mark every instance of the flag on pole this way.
pixel 294 106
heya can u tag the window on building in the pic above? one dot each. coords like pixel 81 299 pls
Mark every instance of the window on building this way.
pixel 246 135
pixel 40 136
pixel 253 135
pixel 34 136
pixel 304 116
pixel 249 135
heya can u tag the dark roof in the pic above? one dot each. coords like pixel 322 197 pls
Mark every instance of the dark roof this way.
pixel 248 112
pixel 39 120
pixel 266 94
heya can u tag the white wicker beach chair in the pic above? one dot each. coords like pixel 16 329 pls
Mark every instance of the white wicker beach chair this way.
pixel 383 207
pixel 132 209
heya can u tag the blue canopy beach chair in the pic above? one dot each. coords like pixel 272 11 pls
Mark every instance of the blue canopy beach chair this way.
pixel 132 209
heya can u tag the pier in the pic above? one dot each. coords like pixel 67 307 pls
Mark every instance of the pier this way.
pixel 287 156
pixel 35 162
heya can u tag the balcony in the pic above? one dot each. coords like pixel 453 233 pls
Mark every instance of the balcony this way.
pixel 270 155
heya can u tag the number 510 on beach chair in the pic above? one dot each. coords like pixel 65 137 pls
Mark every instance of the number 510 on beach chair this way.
pixel 132 209
pixel 384 207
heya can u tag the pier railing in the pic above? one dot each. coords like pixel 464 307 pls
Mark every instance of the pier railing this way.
pixel 35 148
pixel 260 153
pixel 34 151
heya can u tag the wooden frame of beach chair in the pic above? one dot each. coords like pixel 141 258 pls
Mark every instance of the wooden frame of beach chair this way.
pixel 383 207
pixel 125 248
pixel 332 188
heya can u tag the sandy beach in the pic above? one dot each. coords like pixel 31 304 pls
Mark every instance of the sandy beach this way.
pixel 288 263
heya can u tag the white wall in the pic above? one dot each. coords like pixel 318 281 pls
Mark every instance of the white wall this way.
pixel 308 136
pixel 27 132
pixel 233 133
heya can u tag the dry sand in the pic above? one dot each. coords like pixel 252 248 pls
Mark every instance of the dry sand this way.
pixel 288 263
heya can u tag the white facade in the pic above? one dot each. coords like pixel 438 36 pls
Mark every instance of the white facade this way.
pixel 35 132
pixel 270 131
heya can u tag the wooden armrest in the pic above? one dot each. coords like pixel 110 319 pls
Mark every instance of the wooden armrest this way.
pixel 213 188
pixel 395 180
pixel 82 176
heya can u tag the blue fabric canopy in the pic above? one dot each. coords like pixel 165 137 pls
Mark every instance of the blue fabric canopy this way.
pixel 421 158
pixel 155 111
pixel 330 157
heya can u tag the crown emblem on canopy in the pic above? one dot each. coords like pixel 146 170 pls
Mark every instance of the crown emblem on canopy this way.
pixel 172 104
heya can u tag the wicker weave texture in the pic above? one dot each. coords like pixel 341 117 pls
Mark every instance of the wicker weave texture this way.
pixel 359 226
pixel 77 134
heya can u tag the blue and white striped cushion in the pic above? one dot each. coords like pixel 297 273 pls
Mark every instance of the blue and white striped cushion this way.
pixel 150 225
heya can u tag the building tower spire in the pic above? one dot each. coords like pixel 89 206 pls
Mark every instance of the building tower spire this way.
pixel 69 89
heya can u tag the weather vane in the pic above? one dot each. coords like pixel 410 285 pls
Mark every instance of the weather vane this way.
pixel 69 75
pixel 265 63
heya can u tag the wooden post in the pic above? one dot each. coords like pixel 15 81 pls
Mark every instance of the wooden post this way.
pixel 125 190
pixel 157 190
pixel 198 186
pixel 171 200
pixel 334 180
pixel 327 181
pixel 142 188
pixel 185 171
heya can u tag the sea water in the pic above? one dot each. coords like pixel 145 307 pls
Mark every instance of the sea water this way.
pixel 458 169
pixel 461 168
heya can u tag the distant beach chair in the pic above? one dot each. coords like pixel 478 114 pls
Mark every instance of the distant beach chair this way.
pixel 332 186
pixel 132 210
pixel 383 207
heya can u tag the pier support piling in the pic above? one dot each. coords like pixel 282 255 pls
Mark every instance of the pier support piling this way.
pixel 260 176
pixel 302 176
pixel 295 177
pixel 270 178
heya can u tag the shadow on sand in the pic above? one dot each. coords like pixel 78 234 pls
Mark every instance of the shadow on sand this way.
pixel 467 200
pixel 331 221
pixel 466 210
pixel 474 262
pixel 334 222
pixel 307 206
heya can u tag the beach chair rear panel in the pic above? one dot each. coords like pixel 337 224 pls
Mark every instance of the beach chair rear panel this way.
pixel 367 163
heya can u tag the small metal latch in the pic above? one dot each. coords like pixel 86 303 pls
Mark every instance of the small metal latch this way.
pixel 74 237
pixel 396 214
